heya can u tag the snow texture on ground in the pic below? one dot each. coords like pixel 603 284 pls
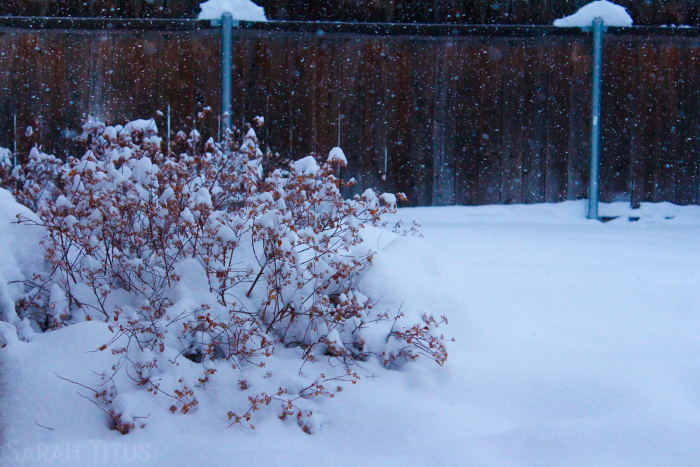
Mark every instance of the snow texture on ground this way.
pixel 612 15
pixel 242 10
pixel 577 344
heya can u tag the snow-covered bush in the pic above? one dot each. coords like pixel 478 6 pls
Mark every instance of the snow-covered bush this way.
pixel 208 253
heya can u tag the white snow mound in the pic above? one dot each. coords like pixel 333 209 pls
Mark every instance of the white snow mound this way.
pixel 242 10
pixel 612 15
pixel 19 255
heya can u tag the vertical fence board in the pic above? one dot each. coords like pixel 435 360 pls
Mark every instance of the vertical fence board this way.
pixel 399 110
pixel 559 85
pixel 422 115
pixel 617 120
pixel 580 120
pixel 122 93
pixel 108 94
pixel 688 140
pixel 468 124
pixel 645 127
pixel 176 80
pixel 491 121
pixel 328 94
pixel 31 51
pixel 374 123
pixel 666 122
pixel 77 84
pixel 352 110
pixel 450 125
pixel 53 91
pixel 9 86
pixel 97 78
pixel 241 51
pixel 444 127
pixel 207 78
pixel 256 80
pixel 303 53
pixel 278 123
pixel 534 117
pixel 513 120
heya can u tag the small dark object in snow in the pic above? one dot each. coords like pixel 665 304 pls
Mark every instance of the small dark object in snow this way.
pixel 195 357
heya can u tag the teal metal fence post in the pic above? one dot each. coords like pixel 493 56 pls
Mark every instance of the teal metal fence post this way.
pixel 226 32
pixel 595 118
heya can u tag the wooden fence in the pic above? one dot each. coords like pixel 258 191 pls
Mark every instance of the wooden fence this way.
pixel 446 114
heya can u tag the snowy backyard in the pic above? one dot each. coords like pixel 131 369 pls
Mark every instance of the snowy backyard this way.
pixel 576 344
pixel 222 284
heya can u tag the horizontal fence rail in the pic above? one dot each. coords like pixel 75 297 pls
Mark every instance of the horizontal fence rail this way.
pixel 448 114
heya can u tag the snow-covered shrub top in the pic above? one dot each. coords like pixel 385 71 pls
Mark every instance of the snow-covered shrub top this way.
pixel 610 13
pixel 5 157
pixel 242 10
pixel 200 254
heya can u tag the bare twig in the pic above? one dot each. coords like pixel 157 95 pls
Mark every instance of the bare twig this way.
pixel 43 426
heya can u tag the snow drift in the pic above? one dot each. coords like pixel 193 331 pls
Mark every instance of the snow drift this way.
pixel 577 344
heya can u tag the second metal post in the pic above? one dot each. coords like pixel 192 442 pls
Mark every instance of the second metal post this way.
pixel 226 27
pixel 595 118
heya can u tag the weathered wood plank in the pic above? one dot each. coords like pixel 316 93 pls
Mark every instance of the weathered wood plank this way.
pixel 303 52
pixel 688 140
pixel 423 93
pixel 124 73
pixel 444 125
pixel 559 86
pixel 580 120
pixel 666 147
pixel 278 118
pixel 77 89
pixel 176 80
pixel 468 124
pixel 9 87
pixel 534 119
pixel 492 62
pixel 645 125
pixel 399 126
pixel 241 58
pixel 31 51
pixel 513 108
pixel 352 111
pixel 53 89
pixel 207 79
pixel 256 79
pixel 107 63
pixel 374 122
pixel 617 125
pixel 328 94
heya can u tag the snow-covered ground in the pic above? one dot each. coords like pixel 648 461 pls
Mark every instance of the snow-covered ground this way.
pixel 577 343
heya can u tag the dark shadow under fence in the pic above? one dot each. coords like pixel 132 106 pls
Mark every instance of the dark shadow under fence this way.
pixel 446 114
